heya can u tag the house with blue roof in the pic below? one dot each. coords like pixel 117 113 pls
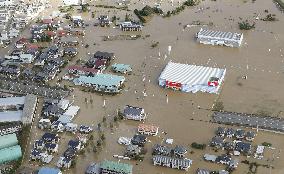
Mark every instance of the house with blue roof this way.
pixel 107 83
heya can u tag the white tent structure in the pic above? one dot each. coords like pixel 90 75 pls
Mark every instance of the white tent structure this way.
pixel 192 78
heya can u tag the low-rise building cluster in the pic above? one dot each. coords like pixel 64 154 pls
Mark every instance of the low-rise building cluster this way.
pixel 15 16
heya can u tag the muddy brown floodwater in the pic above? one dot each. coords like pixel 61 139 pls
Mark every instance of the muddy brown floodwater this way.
pixel 260 58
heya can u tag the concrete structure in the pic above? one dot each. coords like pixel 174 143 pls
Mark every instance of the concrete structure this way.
pixel 219 38
pixel 192 78
pixel 29 109
pixel 27 104
pixel 268 123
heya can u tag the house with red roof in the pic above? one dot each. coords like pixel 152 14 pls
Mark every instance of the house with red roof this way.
pixel 80 70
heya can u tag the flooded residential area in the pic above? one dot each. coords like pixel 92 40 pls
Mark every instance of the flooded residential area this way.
pixel 142 87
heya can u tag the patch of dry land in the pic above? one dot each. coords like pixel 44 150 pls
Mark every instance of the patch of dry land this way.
pixel 260 58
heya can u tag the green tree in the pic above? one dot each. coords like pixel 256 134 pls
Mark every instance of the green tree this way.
pixel 104 118
pixel 218 106
pixel 103 137
pixel 115 119
pixel 127 17
pixel 99 143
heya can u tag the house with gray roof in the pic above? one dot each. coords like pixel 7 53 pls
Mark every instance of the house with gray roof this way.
pixel 93 168
pixel 217 142
pixel 243 147
pixel 221 131
pixel 161 150
pixel 240 134
pixel 175 163
pixel 180 151
pixel 230 133
pixel 134 113
pixel 250 135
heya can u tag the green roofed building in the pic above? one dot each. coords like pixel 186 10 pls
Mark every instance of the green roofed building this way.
pixel 102 82
pixel 111 167
pixel 121 68
pixel 10 154
pixel 8 140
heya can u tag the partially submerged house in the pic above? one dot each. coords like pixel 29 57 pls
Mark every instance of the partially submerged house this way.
pixel 139 140
pixel 104 55
pixel 250 135
pixel 221 131
pixel 80 70
pixel 230 133
pixel 175 163
pixel 210 37
pixel 64 162
pixel 104 21
pixel 134 113
pixel 121 68
pixel 192 78
pixel 148 129
pixel 102 82
pixel 161 150
pixel 51 147
pixel 130 26
pixel 217 142
pixel 50 138
pixel 132 151
pixel 75 144
pixel 240 134
pixel 85 129
pixel 180 151
pixel 243 147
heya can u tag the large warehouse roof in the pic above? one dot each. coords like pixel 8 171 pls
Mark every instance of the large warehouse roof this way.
pixel 12 101
pixel 8 140
pixel 195 77
pixel 11 116
pixel 10 154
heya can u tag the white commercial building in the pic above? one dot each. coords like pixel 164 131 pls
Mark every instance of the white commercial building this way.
pixel 219 38
pixel 192 78
pixel 73 2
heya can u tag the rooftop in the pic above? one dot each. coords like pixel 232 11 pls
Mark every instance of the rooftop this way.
pixel 193 78
pixel 116 166
pixel 101 79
